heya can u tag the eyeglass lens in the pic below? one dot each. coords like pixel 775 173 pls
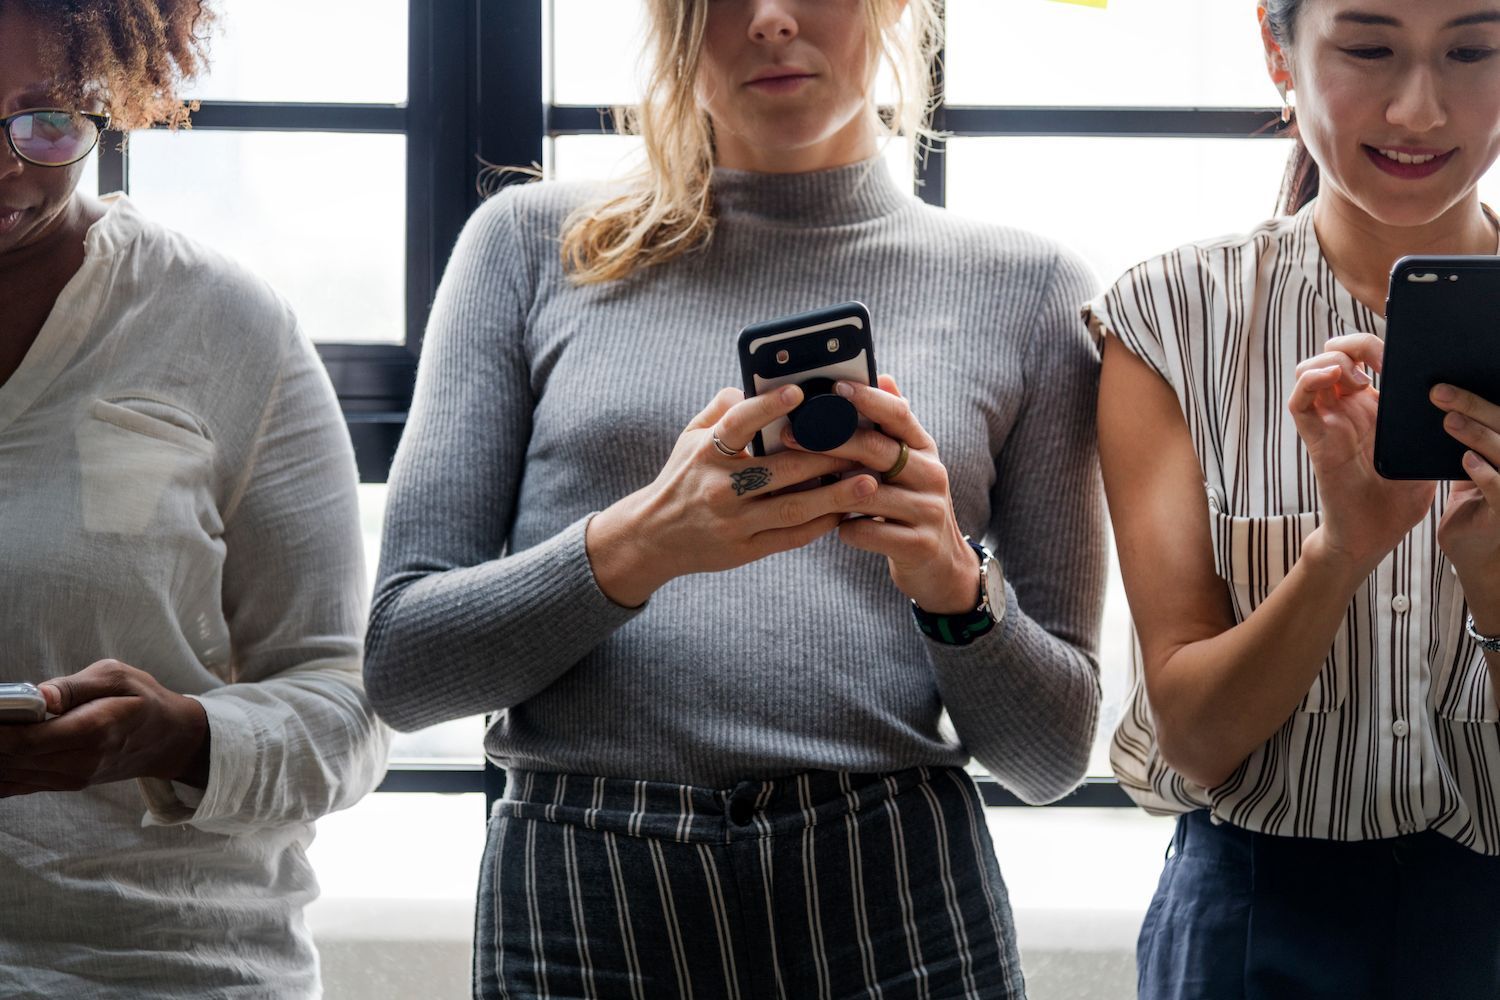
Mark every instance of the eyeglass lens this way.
pixel 53 138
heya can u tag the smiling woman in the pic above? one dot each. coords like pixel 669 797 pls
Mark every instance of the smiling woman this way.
pixel 1317 696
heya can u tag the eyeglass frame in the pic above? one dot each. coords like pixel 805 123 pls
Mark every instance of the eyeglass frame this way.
pixel 101 125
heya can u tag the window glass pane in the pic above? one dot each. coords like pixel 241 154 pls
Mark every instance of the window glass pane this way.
pixel 291 50
pixel 321 217
pixel 1181 53
pixel 88 181
pixel 1489 188
pixel 596 48
pixel 1117 201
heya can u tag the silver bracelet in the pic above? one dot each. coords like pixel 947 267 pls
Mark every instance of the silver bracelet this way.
pixel 1489 643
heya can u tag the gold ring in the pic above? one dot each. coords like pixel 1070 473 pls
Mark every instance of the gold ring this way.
pixel 890 474
pixel 724 449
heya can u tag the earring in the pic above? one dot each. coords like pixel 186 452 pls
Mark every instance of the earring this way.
pixel 1286 114
pixel 1283 87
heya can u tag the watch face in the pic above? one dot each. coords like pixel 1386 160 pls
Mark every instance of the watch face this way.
pixel 993 584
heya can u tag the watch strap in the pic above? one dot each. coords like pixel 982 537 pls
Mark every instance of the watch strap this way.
pixel 1488 643
pixel 959 629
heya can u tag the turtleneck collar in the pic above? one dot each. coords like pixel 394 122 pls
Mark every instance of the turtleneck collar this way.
pixel 842 196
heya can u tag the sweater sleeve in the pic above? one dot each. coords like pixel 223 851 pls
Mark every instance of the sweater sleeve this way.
pixel 1024 698
pixel 292 736
pixel 460 625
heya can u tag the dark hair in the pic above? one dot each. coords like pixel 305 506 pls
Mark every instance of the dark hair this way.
pixel 1300 185
pixel 131 55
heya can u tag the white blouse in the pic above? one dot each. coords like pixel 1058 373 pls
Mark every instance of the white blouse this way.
pixel 1400 731
pixel 177 491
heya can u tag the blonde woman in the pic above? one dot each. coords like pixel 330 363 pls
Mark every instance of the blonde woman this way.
pixel 727 774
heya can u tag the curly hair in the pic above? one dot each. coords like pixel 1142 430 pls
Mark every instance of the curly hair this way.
pixel 131 55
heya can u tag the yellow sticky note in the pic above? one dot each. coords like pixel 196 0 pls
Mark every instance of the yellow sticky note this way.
pixel 1101 4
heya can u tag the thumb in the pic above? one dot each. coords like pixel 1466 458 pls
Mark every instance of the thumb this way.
pixel 105 679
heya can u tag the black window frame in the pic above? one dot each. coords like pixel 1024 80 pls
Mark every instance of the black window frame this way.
pixel 476 96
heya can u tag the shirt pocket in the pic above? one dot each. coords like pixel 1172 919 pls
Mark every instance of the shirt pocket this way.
pixel 134 454
pixel 1253 555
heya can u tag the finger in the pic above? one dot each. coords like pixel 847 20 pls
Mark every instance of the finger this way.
pixel 888 383
pixel 868 447
pixel 1475 407
pixel 887 538
pixel 1352 378
pixel 104 679
pixel 1474 434
pixel 739 424
pixel 775 540
pixel 44 781
pixel 717 407
pixel 1365 348
pixel 1485 477
pixel 1312 384
pixel 788 468
pixel 890 411
pixel 789 510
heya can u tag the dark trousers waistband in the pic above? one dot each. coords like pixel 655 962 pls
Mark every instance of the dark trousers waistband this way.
pixel 690 813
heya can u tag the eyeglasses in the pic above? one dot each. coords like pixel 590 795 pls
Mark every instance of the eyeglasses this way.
pixel 50 137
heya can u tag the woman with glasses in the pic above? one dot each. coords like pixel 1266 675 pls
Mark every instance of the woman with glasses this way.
pixel 1321 646
pixel 721 705
pixel 180 563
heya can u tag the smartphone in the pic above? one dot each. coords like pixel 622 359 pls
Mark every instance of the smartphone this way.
pixel 21 703
pixel 1442 325
pixel 813 350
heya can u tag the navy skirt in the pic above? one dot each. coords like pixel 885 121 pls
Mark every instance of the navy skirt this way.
pixel 820 885
pixel 1247 916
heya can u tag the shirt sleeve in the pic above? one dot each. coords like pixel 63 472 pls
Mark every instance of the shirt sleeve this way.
pixel 459 625
pixel 292 737
pixel 1024 698
pixel 1128 310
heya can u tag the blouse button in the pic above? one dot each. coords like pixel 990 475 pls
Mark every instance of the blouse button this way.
pixel 1401 604
pixel 1400 727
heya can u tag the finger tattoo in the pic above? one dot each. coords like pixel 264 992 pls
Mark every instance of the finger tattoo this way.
pixel 748 480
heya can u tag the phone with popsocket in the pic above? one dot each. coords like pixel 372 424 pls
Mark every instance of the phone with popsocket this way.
pixel 1442 326
pixel 813 350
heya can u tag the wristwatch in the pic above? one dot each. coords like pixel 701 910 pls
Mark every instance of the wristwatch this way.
pixel 1488 643
pixel 962 629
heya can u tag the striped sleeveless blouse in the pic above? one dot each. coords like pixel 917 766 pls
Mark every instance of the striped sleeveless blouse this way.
pixel 1400 731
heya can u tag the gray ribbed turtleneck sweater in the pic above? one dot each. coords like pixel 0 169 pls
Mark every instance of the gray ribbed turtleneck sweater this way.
pixel 539 402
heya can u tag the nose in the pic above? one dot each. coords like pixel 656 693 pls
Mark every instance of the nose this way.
pixel 1417 105
pixel 771 21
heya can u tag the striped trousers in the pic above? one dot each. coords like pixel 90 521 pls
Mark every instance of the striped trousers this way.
pixel 820 885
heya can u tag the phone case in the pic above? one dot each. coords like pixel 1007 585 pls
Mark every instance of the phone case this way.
pixel 826 344
pixel 1442 325
pixel 21 703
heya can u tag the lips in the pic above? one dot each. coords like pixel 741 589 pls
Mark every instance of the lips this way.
pixel 779 79
pixel 9 218
pixel 1409 163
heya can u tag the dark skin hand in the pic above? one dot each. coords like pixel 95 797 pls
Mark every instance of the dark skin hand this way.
pixel 114 722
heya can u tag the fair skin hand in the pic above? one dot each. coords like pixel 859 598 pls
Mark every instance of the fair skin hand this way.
pixel 787 84
pixel 113 723
pixel 1369 75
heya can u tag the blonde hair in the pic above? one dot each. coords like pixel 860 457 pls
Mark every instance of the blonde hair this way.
pixel 667 208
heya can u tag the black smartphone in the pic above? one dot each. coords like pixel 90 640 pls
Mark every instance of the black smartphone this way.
pixel 1442 325
pixel 814 350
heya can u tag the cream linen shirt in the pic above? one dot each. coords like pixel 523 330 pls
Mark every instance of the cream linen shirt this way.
pixel 177 492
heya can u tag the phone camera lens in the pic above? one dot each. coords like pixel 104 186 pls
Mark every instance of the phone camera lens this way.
pixel 833 344
pixel 782 357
